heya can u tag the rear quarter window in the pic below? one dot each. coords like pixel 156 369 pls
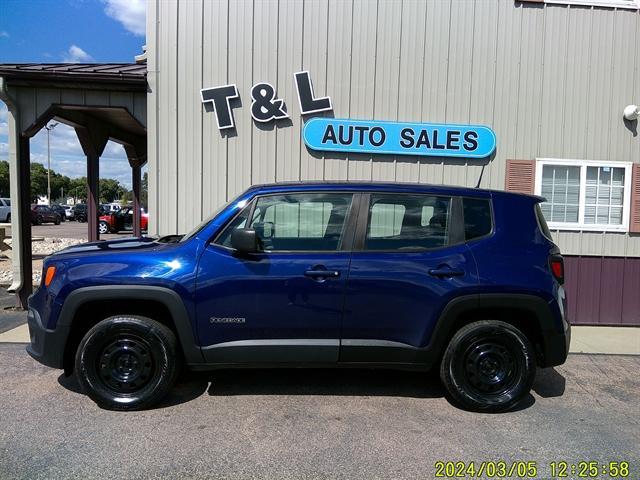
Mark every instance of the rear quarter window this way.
pixel 542 222
pixel 477 217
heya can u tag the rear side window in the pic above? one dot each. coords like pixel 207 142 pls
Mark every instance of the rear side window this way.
pixel 407 222
pixel 477 217
pixel 542 222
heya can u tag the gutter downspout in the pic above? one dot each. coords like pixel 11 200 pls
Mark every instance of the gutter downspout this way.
pixel 14 185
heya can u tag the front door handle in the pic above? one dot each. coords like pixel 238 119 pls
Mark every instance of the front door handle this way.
pixel 321 274
pixel 446 272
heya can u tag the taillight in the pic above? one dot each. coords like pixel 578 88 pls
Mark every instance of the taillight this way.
pixel 557 267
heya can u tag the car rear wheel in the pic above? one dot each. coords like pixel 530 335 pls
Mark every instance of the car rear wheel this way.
pixel 488 366
pixel 103 227
pixel 56 221
pixel 127 362
pixel 39 220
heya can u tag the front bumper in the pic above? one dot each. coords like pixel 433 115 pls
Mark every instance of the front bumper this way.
pixel 47 346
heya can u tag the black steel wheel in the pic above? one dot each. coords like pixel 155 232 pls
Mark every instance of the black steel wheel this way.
pixel 39 220
pixel 488 366
pixel 127 362
pixel 56 221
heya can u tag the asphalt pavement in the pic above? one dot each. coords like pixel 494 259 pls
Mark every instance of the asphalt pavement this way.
pixel 281 424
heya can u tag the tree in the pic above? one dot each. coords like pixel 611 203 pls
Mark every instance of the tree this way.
pixel 110 190
pixel 4 178
pixel 144 191
pixel 78 189
pixel 38 181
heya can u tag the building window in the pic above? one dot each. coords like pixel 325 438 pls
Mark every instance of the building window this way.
pixel 584 195
pixel 630 4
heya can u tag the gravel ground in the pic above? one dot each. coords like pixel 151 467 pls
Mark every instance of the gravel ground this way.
pixel 311 424
pixel 39 249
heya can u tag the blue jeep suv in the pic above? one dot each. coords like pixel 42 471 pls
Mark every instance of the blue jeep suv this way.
pixel 315 274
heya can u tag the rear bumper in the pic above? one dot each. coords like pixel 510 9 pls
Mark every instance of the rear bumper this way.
pixel 47 346
pixel 556 347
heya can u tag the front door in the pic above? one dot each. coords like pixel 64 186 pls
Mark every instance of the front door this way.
pixel 410 260
pixel 285 303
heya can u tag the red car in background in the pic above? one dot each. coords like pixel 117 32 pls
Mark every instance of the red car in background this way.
pixel 122 220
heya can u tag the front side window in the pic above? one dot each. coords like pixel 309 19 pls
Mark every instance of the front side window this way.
pixel 584 195
pixel 407 222
pixel 296 222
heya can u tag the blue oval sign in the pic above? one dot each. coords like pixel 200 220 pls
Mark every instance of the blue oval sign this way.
pixel 398 138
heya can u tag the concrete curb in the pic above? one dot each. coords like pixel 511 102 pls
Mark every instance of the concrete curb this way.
pixel 599 340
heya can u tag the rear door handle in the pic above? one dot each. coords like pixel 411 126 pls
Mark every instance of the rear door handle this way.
pixel 320 274
pixel 444 272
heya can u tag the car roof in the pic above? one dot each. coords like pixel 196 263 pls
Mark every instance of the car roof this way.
pixel 400 187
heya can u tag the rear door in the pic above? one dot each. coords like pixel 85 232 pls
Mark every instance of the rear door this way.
pixel 409 260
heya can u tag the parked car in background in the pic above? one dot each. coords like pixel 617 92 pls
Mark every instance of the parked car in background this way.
pixel 5 209
pixel 401 276
pixel 44 214
pixel 122 220
pixel 68 212
pixel 110 207
pixel 59 209
pixel 80 212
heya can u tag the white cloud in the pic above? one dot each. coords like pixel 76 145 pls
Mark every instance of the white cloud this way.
pixel 76 55
pixel 4 34
pixel 130 13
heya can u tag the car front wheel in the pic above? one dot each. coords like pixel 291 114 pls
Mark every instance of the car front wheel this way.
pixel 103 227
pixel 488 366
pixel 127 362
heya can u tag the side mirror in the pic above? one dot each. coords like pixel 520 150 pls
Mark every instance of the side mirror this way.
pixel 245 240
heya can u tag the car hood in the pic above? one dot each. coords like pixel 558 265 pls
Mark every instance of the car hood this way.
pixel 118 245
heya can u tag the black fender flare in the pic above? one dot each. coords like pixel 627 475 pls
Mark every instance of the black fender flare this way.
pixel 170 299
pixel 555 342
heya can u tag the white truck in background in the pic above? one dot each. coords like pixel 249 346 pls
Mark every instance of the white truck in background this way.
pixel 5 210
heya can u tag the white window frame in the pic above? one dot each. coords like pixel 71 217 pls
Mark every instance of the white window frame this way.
pixel 583 164
pixel 631 5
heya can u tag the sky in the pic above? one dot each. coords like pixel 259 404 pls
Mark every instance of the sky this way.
pixel 70 31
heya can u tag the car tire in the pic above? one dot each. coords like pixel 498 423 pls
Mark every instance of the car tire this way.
pixel 488 366
pixel 127 362
pixel 56 221
pixel 103 227
pixel 38 220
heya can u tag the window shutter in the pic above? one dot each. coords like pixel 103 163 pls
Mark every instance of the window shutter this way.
pixel 634 220
pixel 520 176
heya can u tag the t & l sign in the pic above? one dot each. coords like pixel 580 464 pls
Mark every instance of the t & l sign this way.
pixel 352 136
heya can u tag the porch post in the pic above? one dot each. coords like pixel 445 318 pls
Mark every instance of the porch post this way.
pixel 93 138
pixel 93 175
pixel 136 182
pixel 20 192
pixel 20 174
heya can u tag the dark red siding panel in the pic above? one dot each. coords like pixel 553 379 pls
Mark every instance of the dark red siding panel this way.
pixel 603 290
pixel 611 290
pixel 571 275
pixel 588 291
pixel 631 296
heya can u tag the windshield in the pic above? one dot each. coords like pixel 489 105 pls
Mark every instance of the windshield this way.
pixel 204 223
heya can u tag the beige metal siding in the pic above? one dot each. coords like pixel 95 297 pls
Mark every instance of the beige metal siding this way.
pixel 551 80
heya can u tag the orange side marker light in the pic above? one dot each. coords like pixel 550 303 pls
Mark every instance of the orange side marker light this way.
pixel 51 271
